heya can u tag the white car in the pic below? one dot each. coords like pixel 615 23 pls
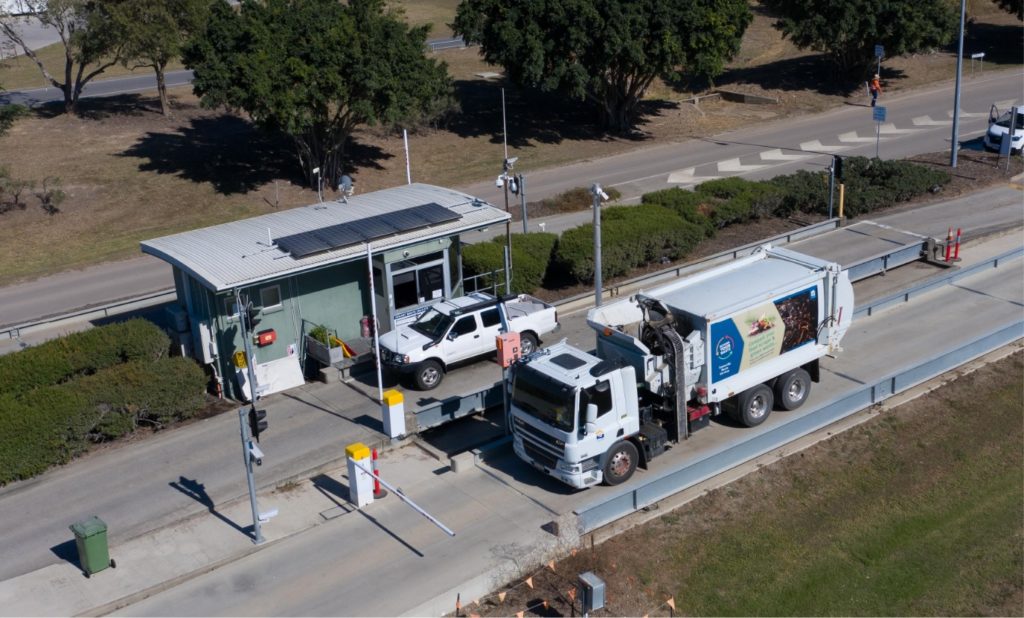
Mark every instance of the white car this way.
pixel 461 329
pixel 999 127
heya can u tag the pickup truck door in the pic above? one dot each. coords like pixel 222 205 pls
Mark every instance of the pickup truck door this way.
pixel 464 340
pixel 490 323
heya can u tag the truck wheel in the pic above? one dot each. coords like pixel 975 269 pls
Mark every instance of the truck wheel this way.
pixel 792 389
pixel 428 375
pixel 753 405
pixel 621 463
pixel 528 344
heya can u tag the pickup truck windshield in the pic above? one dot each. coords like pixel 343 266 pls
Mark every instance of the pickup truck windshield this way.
pixel 544 398
pixel 433 324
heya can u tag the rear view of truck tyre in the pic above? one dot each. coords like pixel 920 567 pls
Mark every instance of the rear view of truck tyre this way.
pixel 428 375
pixel 621 463
pixel 792 389
pixel 753 405
pixel 528 344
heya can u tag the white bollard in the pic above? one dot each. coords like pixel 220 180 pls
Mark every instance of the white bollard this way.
pixel 393 413
pixel 360 484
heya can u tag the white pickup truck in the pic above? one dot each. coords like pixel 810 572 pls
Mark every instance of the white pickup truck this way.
pixel 461 329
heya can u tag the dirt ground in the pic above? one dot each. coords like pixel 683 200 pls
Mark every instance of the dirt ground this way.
pixel 901 455
pixel 131 174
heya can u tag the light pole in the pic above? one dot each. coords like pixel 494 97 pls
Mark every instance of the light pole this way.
pixel 598 196
pixel 319 194
pixel 956 97
pixel 503 181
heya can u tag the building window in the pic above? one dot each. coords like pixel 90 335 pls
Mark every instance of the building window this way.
pixel 270 297
pixel 230 309
pixel 418 280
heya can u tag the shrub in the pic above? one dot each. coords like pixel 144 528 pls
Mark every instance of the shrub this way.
pixel 741 199
pixel 531 254
pixel 690 206
pixel 50 425
pixel 630 237
pixel 573 200
pixel 81 353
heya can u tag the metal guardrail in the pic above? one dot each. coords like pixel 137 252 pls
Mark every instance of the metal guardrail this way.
pixel 440 44
pixel 89 313
pixel 935 282
pixel 611 508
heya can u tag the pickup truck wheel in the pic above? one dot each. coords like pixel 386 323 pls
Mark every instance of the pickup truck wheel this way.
pixel 527 344
pixel 428 375
pixel 753 405
pixel 621 463
pixel 792 389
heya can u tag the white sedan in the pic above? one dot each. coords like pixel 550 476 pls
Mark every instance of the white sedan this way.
pixel 999 127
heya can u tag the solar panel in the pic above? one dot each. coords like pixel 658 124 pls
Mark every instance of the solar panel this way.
pixel 362 230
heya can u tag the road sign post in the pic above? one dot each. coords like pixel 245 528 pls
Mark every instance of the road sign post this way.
pixel 878 113
pixel 879 52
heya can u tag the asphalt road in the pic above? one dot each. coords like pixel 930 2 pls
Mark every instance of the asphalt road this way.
pixel 391 562
pixel 131 486
pixel 917 122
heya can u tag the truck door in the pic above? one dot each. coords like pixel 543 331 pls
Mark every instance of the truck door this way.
pixel 600 394
pixel 464 340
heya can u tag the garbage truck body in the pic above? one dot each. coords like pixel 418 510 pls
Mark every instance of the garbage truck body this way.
pixel 739 339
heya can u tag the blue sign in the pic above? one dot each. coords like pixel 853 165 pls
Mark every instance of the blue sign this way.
pixel 878 113
pixel 727 352
pixel 879 51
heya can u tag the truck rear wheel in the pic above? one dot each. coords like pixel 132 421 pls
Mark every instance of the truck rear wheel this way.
pixel 792 389
pixel 528 344
pixel 753 405
pixel 428 375
pixel 621 463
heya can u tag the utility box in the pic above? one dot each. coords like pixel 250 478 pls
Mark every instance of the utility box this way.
pixel 508 348
pixel 91 541
pixel 591 592
pixel 393 413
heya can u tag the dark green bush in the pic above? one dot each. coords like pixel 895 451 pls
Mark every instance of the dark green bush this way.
pixel 49 425
pixel 531 254
pixel 691 206
pixel 81 353
pixel 741 199
pixel 871 184
pixel 630 237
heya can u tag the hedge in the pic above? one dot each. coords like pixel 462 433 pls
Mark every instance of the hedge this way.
pixel 691 206
pixel 50 425
pixel 81 353
pixel 531 254
pixel 871 184
pixel 630 237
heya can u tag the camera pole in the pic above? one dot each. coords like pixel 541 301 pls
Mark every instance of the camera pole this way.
pixel 257 533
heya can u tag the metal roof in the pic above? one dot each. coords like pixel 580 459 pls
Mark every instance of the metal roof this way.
pixel 240 253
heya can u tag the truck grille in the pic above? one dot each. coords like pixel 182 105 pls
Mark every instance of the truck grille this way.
pixel 540 456
pixel 538 436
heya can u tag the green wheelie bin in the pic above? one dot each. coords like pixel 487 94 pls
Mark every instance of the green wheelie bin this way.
pixel 91 541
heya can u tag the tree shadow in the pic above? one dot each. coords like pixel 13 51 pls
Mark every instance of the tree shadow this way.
pixel 533 117
pixel 232 154
pixel 197 491
pixel 813 72
pixel 102 108
pixel 1001 43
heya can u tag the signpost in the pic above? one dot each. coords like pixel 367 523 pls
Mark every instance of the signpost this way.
pixel 878 113
pixel 879 52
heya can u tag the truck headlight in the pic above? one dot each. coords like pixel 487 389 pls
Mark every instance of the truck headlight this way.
pixel 567 467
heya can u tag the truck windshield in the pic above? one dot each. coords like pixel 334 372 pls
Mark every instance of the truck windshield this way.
pixel 544 398
pixel 433 324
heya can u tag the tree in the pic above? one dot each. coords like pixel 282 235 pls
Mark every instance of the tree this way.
pixel 153 32
pixel 84 30
pixel 604 51
pixel 317 69
pixel 1012 6
pixel 848 30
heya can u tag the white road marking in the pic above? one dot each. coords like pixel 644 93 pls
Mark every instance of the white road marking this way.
pixel 890 129
pixel 686 177
pixel 926 121
pixel 731 166
pixel 777 155
pixel 817 145
pixel 851 137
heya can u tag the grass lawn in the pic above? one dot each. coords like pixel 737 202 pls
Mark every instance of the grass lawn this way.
pixel 919 512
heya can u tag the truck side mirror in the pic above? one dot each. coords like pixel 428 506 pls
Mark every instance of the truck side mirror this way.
pixel 452 335
pixel 591 423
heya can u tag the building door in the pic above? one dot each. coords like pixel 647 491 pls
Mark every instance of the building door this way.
pixel 415 282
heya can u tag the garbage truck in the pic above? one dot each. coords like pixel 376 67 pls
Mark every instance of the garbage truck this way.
pixel 737 339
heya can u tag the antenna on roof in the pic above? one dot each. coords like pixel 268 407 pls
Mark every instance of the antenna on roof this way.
pixel 270 241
